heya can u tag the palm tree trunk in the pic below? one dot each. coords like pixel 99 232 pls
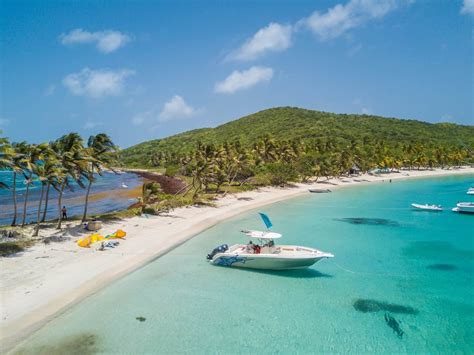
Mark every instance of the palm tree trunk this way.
pixel 46 203
pixel 35 234
pixel 84 216
pixel 15 209
pixel 25 204
pixel 60 200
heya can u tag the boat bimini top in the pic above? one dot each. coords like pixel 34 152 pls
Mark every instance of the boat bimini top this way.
pixel 265 235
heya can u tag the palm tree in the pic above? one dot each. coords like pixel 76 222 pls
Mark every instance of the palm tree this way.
pixel 6 158
pixel 33 156
pixel 70 151
pixel 102 154
pixel 48 172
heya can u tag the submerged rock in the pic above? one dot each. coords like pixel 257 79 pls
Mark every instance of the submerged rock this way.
pixel 370 306
pixel 442 267
pixel 394 324
pixel 370 221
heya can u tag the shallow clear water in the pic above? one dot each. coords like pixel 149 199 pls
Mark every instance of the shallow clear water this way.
pixel 73 199
pixel 416 267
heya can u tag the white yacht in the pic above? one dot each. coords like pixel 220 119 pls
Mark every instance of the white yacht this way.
pixel 264 254
pixel 464 207
pixel 427 207
pixel 470 191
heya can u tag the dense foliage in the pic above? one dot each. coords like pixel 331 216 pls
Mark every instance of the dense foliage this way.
pixel 310 127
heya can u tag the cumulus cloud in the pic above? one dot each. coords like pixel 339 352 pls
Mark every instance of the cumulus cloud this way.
pixel 342 18
pixel 468 7
pixel 273 38
pixel 97 83
pixel 245 79
pixel 105 41
pixel 176 108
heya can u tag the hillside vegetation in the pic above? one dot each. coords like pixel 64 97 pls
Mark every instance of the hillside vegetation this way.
pixel 291 124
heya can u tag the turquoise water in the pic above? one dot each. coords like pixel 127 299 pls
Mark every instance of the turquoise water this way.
pixel 415 268
pixel 73 199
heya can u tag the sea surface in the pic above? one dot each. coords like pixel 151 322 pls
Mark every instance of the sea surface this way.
pixel 401 282
pixel 110 196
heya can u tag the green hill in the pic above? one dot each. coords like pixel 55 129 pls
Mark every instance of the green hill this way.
pixel 287 123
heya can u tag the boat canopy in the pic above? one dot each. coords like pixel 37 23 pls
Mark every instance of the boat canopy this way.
pixel 262 234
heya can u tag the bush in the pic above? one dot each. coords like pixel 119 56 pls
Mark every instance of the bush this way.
pixel 280 173
pixel 172 170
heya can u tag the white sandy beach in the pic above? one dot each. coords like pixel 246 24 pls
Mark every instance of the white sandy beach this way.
pixel 46 279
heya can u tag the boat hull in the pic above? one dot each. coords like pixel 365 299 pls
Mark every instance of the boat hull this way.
pixel 264 262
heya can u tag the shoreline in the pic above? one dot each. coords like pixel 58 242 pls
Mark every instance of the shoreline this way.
pixel 46 280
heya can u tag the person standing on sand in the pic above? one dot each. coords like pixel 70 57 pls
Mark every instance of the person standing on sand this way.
pixel 64 211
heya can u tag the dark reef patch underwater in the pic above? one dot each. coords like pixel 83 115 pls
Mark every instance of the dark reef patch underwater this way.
pixel 80 344
pixel 394 324
pixel 369 221
pixel 442 267
pixel 370 306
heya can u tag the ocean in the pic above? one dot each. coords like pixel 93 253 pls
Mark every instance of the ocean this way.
pixel 112 196
pixel 401 282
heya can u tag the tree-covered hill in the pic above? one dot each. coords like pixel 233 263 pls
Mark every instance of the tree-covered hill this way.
pixel 288 123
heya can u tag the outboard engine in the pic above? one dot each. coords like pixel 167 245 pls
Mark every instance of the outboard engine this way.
pixel 220 249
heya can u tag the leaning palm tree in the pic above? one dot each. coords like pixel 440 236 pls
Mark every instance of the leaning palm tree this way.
pixel 6 158
pixel 102 154
pixel 47 173
pixel 72 158
pixel 33 156
pixel 17 163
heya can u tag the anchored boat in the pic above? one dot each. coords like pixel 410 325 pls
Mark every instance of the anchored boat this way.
pixel 264 253
pixel 427 207
pixel 464 207
pixel 470 191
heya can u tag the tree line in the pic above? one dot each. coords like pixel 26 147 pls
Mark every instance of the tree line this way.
pixel 273 162
pixel 55 165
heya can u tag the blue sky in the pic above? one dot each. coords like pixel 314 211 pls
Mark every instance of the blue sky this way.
pixel 140 70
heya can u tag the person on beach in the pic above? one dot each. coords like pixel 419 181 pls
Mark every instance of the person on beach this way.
pixel 64 211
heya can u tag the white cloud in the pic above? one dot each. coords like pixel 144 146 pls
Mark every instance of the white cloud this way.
pixel 273 38
pixel 468 7
pixel 366 111
pixel 4 122
pixel 342 18
pixel 106 41
pixel 245 79
pixel 97 83
pixel 92 124
pixel 176 108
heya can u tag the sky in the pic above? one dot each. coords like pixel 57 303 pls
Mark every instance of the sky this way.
pixel 140 70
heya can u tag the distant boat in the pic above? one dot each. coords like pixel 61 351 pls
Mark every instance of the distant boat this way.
pixel 427 207
pixel 125 186
pixel 265 254
pixel 470 191
pixel 319 191
pixel 464 207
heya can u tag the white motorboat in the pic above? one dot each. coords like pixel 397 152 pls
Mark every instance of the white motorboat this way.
pixel 470 191
pixel 319 191
pixel 264 254
pixel 427 207
pixel 464 207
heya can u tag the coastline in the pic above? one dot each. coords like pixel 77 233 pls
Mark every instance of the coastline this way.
pixel 47 279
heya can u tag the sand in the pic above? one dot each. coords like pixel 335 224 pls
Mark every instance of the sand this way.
pixel 40 283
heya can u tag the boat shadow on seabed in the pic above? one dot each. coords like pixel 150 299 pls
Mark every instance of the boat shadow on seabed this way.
pixel 297 273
